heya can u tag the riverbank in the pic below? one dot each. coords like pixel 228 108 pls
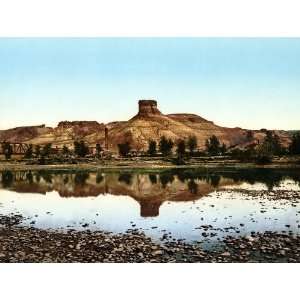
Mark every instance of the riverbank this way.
pixel 28 244
pixel 149 164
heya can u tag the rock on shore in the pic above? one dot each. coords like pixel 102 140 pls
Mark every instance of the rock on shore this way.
pixel 28 244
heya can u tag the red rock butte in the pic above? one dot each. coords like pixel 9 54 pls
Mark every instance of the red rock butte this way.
pixel 148 107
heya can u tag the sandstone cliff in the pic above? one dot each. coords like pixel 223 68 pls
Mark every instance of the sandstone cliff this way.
pixel 148 123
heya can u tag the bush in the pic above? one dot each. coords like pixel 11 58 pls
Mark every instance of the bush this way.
pixel 124 149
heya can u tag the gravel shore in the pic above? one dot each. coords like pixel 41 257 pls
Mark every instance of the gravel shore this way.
pixel 28 244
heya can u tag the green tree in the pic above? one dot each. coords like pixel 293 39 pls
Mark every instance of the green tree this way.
pixel 37 150
pixel 80 148
pixel 192 144
pixel 294 147
pixel 46 150
pixel 213 145
pixel 124 149
pixel 152 148
pixel 223 149
pixel 65 150
pixel 29 152
pixel 165 146
pixel 264 152
pixel 180 148
pixel 7 150
pixel 273 142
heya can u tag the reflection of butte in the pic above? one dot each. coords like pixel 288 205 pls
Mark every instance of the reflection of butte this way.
pixel 149 194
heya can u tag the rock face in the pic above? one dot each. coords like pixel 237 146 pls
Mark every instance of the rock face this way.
pixel 148 124
pixel 148 108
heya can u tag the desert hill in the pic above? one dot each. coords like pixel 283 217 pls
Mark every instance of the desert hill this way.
pixel 148 123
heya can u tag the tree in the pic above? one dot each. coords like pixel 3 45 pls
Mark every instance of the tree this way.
pixel 223 149
pixel 213 145
pixel 46 150
pixel 264 154
pixel 65 150
pixel 180 148
pixel 273 142
pixel 192 144
pixel 152 148
pixel 124 149
pixel 98 150
pixel 37 150
pixel 294 147
pixel 29 152
pixel 7 150
pixel 165 146
pixel 81 149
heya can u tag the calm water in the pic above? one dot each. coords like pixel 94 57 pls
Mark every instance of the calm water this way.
pixel 190 205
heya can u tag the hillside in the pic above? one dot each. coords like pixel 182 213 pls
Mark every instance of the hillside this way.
pixel 148 123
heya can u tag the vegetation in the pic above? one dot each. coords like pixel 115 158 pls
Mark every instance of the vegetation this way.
pixel 180 148
pixel 152 148
pixel 246 155
pixel 29 152
pixel 124 149
pixel 81 149
pixel 165 146
pixel 7 150
pixel 295 145
pixel 272 142
pixel 46 150
pixel 271 146
pixel 223 149
pixel 65 150
pixel 264 153
pixel 192 144
pixel 213 146
pixel 37 150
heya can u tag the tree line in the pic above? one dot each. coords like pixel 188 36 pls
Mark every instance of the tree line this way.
pixel 263 152
pixel 80 149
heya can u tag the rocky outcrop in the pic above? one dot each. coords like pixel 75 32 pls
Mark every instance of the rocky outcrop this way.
pixel 148 124
pixel 148 108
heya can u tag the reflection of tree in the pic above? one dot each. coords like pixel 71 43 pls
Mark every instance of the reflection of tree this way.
pixel 165 178
pixel 193 187
pixel 215 180
pixel 7 179
pixel 81 177
pixel 125 177
pixel 99 178
pixel 192 179
pixel 296 178
pixel 152 178
pixel 66 179
pixel 47 176
pixel 29 177
pixel 181 176
pixel 37 177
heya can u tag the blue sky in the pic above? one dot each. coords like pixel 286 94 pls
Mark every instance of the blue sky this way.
pixel 250 83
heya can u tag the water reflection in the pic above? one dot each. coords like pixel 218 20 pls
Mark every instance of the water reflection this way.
pixel 150 190
pixel 181 202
